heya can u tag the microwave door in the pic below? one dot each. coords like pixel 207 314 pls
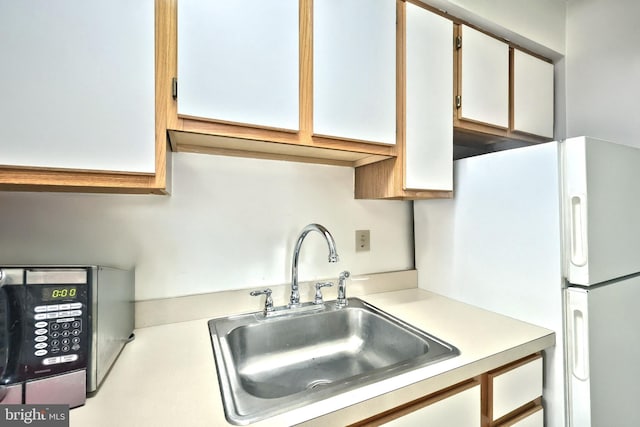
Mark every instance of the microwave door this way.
pixel 4 338
pixel 10 337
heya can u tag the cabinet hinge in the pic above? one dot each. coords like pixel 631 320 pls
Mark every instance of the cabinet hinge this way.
pixel 174 87
pixel 458 101
pixel 458 42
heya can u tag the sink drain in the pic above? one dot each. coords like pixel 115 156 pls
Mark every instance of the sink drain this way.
pixel 318 383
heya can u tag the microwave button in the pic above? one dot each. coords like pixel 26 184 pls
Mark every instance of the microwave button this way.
pixel 76 305
pixel 40 345
pixel 66 325
pixel 55 326
pixel 52 315
pixel 52 307
pixel 64 313
pixel 55 334
pixel 69 358
pixel 76 332
pixel 76 313
pixel 40 316
pixel 51 361
pixel 64 307
pixel 75 340
pixel 41 331
pixel 40 352
pixel 40 309
pixel 41 324
pixel 65 333
pixel 75 324
pixel 41 338
pixel 66 341
pixel 65 348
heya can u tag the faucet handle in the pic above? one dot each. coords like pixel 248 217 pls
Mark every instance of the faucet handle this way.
pixel 319 286
pixel 268 304
pixel 341 301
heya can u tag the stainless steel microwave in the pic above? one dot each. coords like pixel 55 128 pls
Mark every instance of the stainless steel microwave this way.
pixel 61 330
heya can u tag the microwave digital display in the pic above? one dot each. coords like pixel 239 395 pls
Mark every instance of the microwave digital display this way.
pixel 54 293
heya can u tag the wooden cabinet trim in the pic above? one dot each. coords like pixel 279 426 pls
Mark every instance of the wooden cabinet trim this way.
pixel 488 396
pixel 486 132
pixel 484 381
pixel 514 365
pixel 213 127
pixel 386 179
pixel 407 408
pixel 534 408
pixel 77 180
pixel 518 414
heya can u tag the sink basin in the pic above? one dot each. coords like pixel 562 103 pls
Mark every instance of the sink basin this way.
pixel 269 365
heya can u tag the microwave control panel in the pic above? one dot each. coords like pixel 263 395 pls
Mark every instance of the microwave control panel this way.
pixel 56 336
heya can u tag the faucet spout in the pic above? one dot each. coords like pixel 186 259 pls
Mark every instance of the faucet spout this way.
pixel 294 300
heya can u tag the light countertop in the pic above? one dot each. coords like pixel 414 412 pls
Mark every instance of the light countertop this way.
pixel 167 375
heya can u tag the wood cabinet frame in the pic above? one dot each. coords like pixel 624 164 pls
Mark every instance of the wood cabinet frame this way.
pixel 77 180
pixel 386 179
pixel 417 404
pixel 486 402
pixel 473 133
pixel 487 396
pixel 204 135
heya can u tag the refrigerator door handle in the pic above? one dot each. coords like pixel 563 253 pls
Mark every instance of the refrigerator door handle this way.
pixel 579 345
pixel 578 228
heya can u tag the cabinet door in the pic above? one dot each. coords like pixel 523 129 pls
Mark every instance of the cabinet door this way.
pixel 484 79
pixel 354 69
pixel 238 61
pixel 429 90
pixel 532 95
pixel 77 83
pixel 515 386
pixel 459 410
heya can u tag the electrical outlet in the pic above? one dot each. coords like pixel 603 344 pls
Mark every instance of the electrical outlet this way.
pixel 363 240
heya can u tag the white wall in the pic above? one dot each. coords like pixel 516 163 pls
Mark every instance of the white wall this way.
pixel 230 223
pixel 603 69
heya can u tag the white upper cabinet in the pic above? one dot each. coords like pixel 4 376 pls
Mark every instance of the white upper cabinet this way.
pixel 354 69
pixel 532 95
pixel 77 83
pixel 238 61
pixel 484 78
pixel 429 90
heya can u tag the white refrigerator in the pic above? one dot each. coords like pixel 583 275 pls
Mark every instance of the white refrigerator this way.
pixel 550 234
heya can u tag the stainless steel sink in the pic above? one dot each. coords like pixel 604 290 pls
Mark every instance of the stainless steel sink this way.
pixel 269 365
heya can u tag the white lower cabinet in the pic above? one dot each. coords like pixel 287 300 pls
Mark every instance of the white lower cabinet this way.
pixel 461 409
pixel 514 386
pixel 509 396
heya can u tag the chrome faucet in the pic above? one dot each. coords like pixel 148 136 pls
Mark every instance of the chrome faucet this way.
pixel 294 301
